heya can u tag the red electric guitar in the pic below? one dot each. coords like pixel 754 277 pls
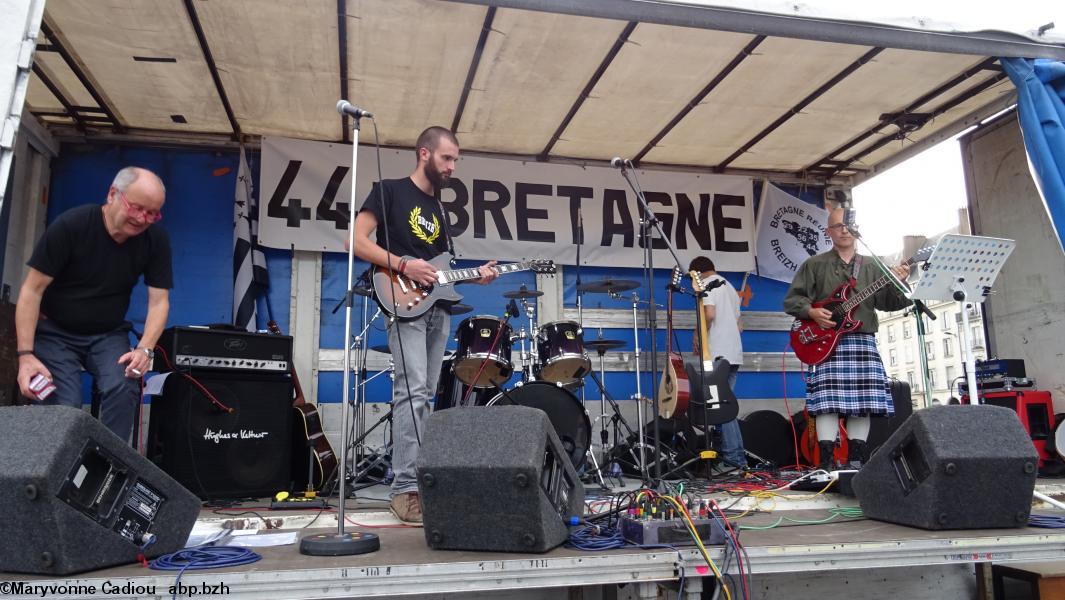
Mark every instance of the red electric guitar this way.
pixel 813 343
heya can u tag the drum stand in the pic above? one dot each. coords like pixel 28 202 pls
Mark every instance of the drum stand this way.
pixel 639 393
pixel 616 418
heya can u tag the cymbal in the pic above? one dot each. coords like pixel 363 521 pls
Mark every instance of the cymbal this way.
pixel 601 345
pixel 523 293
pixel 459 309
pixel 608 286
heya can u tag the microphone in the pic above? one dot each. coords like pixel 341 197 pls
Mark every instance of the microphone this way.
pixel 848 220
pixel 347 108
pixel 618 163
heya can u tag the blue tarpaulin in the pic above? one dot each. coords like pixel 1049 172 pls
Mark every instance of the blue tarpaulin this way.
pixel 1041 106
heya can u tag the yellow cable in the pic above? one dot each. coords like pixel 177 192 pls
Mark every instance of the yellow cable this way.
pixel 698 542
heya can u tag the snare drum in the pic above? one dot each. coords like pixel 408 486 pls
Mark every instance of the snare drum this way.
pixel 560 346
pixel 565 411
pixel 482 343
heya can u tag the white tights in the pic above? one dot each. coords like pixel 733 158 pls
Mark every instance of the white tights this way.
pixel 828 427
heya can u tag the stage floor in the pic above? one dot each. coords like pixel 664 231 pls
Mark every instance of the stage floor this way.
pixel 406 566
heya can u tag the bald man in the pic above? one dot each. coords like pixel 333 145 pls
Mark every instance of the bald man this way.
pixel 71 312
pixel 852 381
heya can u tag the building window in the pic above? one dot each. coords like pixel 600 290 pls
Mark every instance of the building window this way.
pixel 978 336
pixel 951 374
pixel 908 353
pixel 927 324
pixel 912 381
pixel 932 379
pixel 944 318
pixel 890 333
pixel 893 357
pixel 907 333
pixel 948 347
pixel 930 350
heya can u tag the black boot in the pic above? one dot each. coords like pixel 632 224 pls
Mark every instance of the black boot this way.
pixel 856 453
pixel 827 449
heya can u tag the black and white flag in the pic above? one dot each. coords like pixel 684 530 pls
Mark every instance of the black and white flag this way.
pixel 250 277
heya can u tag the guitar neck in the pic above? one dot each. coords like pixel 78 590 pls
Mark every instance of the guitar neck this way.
pixel 457 275
pixel 869 290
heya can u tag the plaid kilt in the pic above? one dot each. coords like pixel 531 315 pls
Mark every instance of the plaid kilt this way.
pixel 852 381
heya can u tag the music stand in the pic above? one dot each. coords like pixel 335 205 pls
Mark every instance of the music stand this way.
pixel 963 268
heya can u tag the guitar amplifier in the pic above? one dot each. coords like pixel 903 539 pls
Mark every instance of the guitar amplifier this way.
pixel 203 348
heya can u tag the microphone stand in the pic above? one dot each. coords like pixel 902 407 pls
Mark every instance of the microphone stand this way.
pixel 343 543
pixel 650 220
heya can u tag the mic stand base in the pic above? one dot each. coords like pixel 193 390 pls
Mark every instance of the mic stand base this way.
pixel 340 544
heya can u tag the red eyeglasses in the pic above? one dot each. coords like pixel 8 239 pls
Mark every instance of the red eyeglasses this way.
pixel 152 216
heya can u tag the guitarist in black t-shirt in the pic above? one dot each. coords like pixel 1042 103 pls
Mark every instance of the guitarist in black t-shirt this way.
pixel 72 305
pixel 415 228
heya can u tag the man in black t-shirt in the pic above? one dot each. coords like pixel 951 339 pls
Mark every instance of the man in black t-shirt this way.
pixel 72 305
pixel 415 232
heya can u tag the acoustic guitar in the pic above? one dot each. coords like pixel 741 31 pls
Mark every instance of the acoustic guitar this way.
pixel 674 390
pixel 308 433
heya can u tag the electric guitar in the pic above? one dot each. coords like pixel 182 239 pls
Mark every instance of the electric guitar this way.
pixel 674 390
pixel 307 431
pixel 710 386
pixel 410 299
pixel 812 343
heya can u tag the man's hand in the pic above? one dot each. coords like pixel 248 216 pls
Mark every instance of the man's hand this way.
pixel 420 271
pixel 28 367
pixel 822 316
pixel 137 363
pixel 901 271
pixel 488 272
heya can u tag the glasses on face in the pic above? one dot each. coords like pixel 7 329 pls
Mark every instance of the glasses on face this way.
pixel 151 216
pixel 838 226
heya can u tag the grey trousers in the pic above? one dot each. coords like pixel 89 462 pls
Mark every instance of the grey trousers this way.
pixel 418 364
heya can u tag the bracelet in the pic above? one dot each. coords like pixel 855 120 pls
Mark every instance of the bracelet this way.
pixel 24 353
pixel 402 265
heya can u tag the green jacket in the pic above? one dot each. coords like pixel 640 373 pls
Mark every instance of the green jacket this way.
pixel 820 275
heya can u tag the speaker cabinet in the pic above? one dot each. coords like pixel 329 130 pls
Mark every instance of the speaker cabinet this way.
pixel 496 479
pixel 952 467
pixel 238 445
pixel 76 498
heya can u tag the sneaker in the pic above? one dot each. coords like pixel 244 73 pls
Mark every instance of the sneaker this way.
pixel 408 508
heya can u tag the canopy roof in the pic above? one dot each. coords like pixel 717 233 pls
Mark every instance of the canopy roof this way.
pixel 681 84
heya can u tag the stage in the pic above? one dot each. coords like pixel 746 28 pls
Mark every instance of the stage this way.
pixel 869 558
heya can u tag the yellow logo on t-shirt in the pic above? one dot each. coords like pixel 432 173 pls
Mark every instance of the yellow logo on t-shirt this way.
pixel 419 225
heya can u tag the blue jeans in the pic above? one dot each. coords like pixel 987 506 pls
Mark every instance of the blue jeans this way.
pixel 67 354
pixel 731 437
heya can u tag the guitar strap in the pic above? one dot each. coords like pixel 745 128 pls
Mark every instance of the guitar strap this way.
pixel 856 266
pixel 447 232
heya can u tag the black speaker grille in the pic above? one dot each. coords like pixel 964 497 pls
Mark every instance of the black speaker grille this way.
pixel 244 451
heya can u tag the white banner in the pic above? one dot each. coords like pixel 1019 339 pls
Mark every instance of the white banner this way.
pixel 511 210
pixel 789 232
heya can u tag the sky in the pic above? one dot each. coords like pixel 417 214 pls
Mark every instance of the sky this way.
pixel 922 195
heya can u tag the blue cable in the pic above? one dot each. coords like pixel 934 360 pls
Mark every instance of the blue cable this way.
pixel 203 557
pixel 1047 521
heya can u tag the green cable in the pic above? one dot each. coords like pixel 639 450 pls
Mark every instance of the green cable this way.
pixel 848 513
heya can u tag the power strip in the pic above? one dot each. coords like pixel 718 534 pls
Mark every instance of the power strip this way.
pixel 673 532
pixel 298 504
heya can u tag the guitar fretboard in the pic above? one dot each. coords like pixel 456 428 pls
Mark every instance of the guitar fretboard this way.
pixel 456 275
pixel 866 293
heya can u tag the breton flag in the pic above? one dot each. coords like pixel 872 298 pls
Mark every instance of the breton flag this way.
pixel 789 232
pixel 250 278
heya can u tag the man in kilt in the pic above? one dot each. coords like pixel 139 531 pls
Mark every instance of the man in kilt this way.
pixel 852 381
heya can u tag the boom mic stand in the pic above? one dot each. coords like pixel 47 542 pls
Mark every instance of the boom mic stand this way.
pixel 649 220
pixel 343 543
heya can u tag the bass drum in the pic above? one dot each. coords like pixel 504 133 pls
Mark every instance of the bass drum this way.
pixel 565 411
pixel 483 340
pixel 450 390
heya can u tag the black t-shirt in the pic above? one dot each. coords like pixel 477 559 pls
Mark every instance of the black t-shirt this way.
pixel 93 276
pixel 415 223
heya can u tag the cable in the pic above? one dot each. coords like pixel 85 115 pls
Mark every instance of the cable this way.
pixel 1047 521
pixel 202 557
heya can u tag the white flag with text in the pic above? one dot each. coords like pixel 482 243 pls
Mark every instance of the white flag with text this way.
pixel 789 231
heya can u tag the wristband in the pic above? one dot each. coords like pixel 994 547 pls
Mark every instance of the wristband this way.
pixel 402 265
pixel 24 353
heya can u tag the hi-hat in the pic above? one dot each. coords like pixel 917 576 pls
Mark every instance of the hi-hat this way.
pixel 601 345
pixel 523 293
pixel 459 308
pixel 608 286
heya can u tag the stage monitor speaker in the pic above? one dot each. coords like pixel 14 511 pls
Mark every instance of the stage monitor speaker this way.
pixel 496 478
pixel 76 498
pixel 881 428
pixel 240 447
pixel 952 467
